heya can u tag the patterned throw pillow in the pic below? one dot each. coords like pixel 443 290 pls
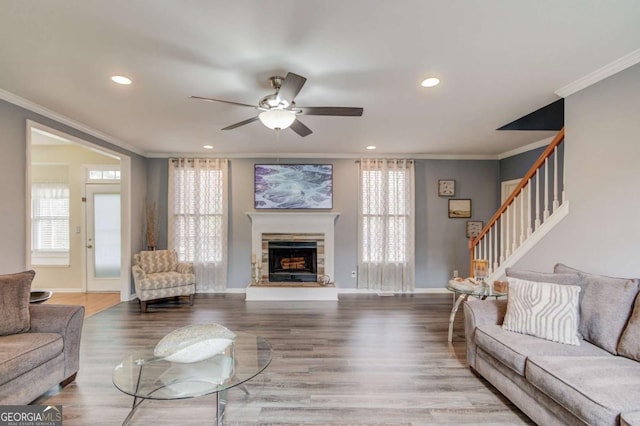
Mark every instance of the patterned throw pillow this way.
pixel 545 310
pixel 156 261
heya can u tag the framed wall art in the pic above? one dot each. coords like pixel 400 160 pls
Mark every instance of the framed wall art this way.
pixel 474 227
pixel 446 188
pixel 459 208
pixel 293 186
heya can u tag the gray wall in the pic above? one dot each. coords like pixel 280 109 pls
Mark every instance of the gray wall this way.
pixel 13 183
pixel 516 166
pixel 602 150
pixel 441 243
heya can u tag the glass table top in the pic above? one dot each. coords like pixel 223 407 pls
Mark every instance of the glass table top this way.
pixel 143 375
pixel 465 287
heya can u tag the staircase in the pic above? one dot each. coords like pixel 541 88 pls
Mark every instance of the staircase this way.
pixel 534 207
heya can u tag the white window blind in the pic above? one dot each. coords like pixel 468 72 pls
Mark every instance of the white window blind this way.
pixel 386 225
pixel 50 219
pixel 198 218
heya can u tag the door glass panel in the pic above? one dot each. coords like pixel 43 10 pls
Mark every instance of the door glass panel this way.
pixel 107 235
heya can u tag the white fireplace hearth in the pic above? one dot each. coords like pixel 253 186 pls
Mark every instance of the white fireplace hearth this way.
pixel 316 227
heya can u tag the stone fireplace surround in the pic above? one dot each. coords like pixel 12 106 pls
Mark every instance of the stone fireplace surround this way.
pixel 318 226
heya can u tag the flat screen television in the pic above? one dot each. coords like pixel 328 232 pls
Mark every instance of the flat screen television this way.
pixel 293 186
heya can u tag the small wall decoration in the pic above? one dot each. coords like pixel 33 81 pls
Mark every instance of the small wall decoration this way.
pixel 459 208
pixel 446 188
pixel 474 227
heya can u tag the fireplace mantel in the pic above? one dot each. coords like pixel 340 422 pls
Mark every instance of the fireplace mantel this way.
pixel 289 223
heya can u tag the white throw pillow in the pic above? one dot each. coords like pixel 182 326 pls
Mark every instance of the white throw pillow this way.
pixel 194 343
pixel 545 310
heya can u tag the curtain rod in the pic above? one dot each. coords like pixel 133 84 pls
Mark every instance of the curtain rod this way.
pixel 191 160
pixel 389 159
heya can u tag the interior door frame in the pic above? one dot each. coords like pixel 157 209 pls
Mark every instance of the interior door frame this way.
pixel 504 194
pixel 125 204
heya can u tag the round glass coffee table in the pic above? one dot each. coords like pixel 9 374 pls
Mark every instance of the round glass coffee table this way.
pixel 144 376
pixel 462 292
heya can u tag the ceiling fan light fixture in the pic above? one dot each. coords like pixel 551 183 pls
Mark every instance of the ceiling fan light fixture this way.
pixel 277 119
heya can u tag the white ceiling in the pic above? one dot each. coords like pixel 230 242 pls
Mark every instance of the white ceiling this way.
pixel 497 59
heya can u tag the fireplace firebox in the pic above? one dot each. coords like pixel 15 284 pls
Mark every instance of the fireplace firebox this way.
pixel 294 261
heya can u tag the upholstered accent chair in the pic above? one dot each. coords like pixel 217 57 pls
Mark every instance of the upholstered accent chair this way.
pixel 158 275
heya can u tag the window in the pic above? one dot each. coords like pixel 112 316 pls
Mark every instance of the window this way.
pixel 198 218
pixel 101 174
pixel 50 224
pixel 198 214
pixel 386 225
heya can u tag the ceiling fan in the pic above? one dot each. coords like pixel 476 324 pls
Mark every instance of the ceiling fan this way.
pixel 279 110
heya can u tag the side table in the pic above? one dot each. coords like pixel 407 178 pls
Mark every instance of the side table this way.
pixel 463 290
pixel 40 296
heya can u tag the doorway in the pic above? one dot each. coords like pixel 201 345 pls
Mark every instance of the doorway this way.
pixel 103 245
pixel 56 159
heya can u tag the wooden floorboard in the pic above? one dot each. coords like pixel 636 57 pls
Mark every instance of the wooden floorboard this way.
pixel 92 302
pixel 362 360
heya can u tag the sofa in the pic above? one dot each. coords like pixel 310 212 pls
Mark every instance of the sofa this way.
pixel 157 274
pixel 39 344
pixel 593 382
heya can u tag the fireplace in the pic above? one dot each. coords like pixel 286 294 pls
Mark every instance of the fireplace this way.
pixel 299 227
pixel 293 261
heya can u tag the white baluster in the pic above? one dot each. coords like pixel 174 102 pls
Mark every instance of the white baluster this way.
pixel 537 198
pixel 484 250
pixel 563 181
pixel 522 229
pixel 529 209
pixel 546 189
pixel 514 241
pixel 555 179
pixel 488 235
pixel 507 227
pixel 495 243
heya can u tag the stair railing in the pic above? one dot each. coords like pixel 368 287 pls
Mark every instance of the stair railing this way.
pixel 505 232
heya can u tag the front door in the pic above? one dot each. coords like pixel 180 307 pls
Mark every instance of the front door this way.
pixel 103 246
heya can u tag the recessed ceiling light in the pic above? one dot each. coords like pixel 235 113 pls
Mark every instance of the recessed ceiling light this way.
pixel 371 147
pixel 208 147
pixel 430 82
pixel 120 79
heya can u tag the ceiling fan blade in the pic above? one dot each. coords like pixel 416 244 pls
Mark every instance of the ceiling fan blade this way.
pixel 300 128
pixel 242 123
pixel 219 100
pixel 291 86
pixel 336 111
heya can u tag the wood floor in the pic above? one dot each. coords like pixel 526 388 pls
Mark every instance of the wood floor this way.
pixel 92 302
pixel 363 360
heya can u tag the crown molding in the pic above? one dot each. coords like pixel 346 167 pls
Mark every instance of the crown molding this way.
pixel 600 74
pixel 526 148
pixel 38 109
pixel 46 112
pixel 231 155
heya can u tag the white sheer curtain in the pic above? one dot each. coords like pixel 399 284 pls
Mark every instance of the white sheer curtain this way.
pixel 198 218
pixel 386 223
